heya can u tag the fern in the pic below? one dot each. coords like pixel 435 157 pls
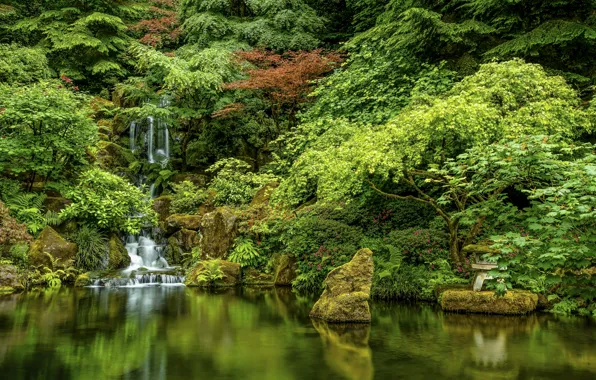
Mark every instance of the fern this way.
pixel 210 274
pixel 245 253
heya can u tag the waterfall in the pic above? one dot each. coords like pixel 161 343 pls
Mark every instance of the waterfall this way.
pixel 154 134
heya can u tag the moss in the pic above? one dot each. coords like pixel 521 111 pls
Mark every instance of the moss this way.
pixel 254 277
pixel 118 257
pixel 161 205
pixel 285 270
pixel 56 204
pixel 51 242
pixel 231 274
pixel 7 290
pixel 218 230
pixel 263 195
pixel 176 222
pixel 469 301
pixel 347 290
pixel 82 280
pixel 110 155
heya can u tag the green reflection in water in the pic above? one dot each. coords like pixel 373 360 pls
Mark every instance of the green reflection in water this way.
pixel 181 333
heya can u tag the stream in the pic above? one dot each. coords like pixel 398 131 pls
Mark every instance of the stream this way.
pixel 174 332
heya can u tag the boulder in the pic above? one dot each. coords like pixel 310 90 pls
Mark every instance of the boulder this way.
pixel 161 205
pixel 218 231
pixel 206 274
pixel 199 180
pixel 285 270
pixel 176 222
pixel 82 280
pixel 51 242
pixel 262 196
pixel 111 155
pixel 56 204
pixel 469 301
pixel 347 291
pixel 252 276
pixel 118 257
pixel 181 242
pixel 9 279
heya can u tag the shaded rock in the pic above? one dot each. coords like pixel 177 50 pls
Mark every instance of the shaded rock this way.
pixel 181 242
pixel 207 274
pixel 218 231
pixel 263 196
pixel 51 242
pixel 346 291
pixel 56 204
pixel 111 155
pixel 118 257
pixel 346 349
pixel 285 270
pixel 9 279
pixel 161 205
pixel 469 301
pixel 176 222
pixel 252 276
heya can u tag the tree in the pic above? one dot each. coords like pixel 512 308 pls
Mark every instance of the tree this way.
pixel 509 99
pixel 45 130
pixel 160 28
pixel 109 202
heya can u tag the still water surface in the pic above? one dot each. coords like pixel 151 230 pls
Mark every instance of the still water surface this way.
pixel 181 333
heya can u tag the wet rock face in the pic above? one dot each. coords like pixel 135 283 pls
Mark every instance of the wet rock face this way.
pixel 181 242
pixel 51 242
pixel 218 231
pixel 214 273
pixel 176 222
pixel 161 205
pixel 252 276
pixel 56 204
pixel 285 270
pixel 347 291
pixel 9 279
pixel 118 257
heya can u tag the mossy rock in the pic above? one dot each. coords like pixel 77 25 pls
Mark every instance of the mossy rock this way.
pixel 347 291
pixel 232 273
pixel 82 280
pixel 161 205
pixel 285 270
pixel 4 290
pixel 51 242
pixel 111 155
pixel 176 222
pixel 9 278
pixel 218 231
pixel 199 180
pixel 263 195
pixel 118 257
pixel 468 301
pixel 253 277
pixel 181 242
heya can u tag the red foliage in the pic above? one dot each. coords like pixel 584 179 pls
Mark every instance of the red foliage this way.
pixel 287 78
pixel 162 27
pixel 11 232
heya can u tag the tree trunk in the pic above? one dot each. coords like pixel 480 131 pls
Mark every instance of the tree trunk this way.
pixel 454 251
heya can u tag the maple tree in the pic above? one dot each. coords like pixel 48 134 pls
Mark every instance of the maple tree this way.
pixel 282 80
pixel 161 27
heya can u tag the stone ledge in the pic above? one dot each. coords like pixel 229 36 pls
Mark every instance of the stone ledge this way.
pixel 469 301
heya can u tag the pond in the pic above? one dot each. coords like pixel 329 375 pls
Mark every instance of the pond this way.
pixel 183 333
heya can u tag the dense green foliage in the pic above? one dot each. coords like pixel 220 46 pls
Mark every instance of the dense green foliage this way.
pixel 413 128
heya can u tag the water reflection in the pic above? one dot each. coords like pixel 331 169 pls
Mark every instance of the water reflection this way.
pixel 179 333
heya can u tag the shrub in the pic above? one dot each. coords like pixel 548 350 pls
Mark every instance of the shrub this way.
pixel 109 202
pixel 420 246
pixel 92 253
pixel 18 254
pixel 234 184
pixel 11 232
pixel 187 198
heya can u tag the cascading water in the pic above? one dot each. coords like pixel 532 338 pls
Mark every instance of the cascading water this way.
pixel 145 254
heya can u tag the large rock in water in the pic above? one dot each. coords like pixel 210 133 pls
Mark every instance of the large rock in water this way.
pixel 118 257
pixel 468 301
pixel 51 242
pixel 204 273
pixel 347 290
pixel 218 231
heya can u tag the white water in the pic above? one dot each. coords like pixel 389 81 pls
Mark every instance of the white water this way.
pixel 142 249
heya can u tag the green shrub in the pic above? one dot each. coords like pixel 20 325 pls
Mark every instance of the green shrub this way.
pixel 420 246
pixel 234 183
pixel 109 202
pixel 186 198
pixel 18 254
pixel 28 208
pixel 92 253
pixel 246 253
